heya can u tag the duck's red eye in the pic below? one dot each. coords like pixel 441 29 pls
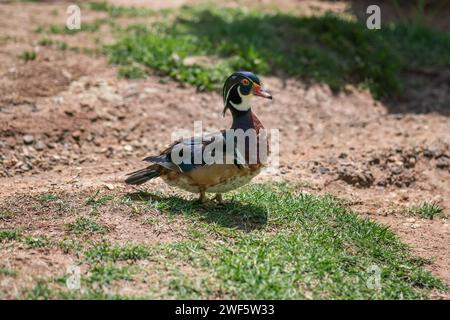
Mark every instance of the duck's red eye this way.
pixel 244 82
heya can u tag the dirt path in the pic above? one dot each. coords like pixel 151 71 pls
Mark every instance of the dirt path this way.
pixel 68 123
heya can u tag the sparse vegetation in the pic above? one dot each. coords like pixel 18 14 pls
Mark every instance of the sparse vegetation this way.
pixel 131 72
pixel 70 246
pixel 37 242
pixel 40 291
pixel 427 210
pixel 6 215
pixel 7 272
pixel 46 198
pixel 107 252
pixel 97 200
pixel 50 42
pixel 118 11
pixel 9 234
pixel 106 274
pixel 28 55
pixel 84 225
pixel 92 26
pixel 51 199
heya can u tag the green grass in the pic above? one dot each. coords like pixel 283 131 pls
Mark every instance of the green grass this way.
pixel 47 42
pixel 46 198
pixel 27 55
pixel 93 26
pixel 7 272
pixel 96 200
pixel 296 246
pixel 131 72
pixel 50 199
pixel 6 215
pixel 427 210
pixel 107 252
pixel 69 246
pixel 265 242
pixel 9 234
pixel 329 49
pixel 106 274
pixel 40 291
pixel 84 225
pixel 119 11
pixel 37 242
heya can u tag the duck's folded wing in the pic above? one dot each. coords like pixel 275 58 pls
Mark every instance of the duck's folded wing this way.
pixel 189 154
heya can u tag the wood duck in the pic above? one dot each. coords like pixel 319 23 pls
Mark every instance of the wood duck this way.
pixel 205 175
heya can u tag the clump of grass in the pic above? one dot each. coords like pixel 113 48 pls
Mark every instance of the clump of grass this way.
pixel 40 291
pixel 69 246
pixel 428 210
pixel 84 225
pixel 131 72
pixel 28 55
pixel 46 198
pixel 118 11
pixel 105 251
pixel 52 199
pixel 6 215
pixel 105 274
pixel 9 234
pixel 37 242
pixel 93 26
pixel 39 29
pixel 50 42
pixel 7 272
pixel 96 200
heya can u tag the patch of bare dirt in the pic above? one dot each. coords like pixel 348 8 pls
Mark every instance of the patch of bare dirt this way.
pixel 31 267
pixel 47 75
pixel 426 238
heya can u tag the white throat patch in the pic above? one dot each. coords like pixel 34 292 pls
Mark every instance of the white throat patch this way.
pixel 245 104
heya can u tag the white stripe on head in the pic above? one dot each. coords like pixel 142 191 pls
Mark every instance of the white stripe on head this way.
pixel 245 104
pixel 228 92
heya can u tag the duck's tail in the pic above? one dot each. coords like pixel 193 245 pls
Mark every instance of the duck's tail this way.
pixel 141 176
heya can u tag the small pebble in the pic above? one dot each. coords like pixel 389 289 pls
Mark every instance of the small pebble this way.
pixel 28 139
pixel 127 147
pixel 109 186
pixel 39 146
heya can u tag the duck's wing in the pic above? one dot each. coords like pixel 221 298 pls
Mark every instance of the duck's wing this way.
pixel 195 152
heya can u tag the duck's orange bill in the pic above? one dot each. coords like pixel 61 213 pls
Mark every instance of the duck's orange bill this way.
pixel 259 91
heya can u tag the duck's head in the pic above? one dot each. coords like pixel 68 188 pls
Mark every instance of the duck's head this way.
pixel 238 90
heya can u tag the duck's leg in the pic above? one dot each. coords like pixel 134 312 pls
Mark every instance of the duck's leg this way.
pixel 202 198
pixel 219 198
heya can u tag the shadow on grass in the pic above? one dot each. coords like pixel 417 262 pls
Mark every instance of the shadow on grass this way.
pixel 327 49
pixel 231 214
pixel 337 51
